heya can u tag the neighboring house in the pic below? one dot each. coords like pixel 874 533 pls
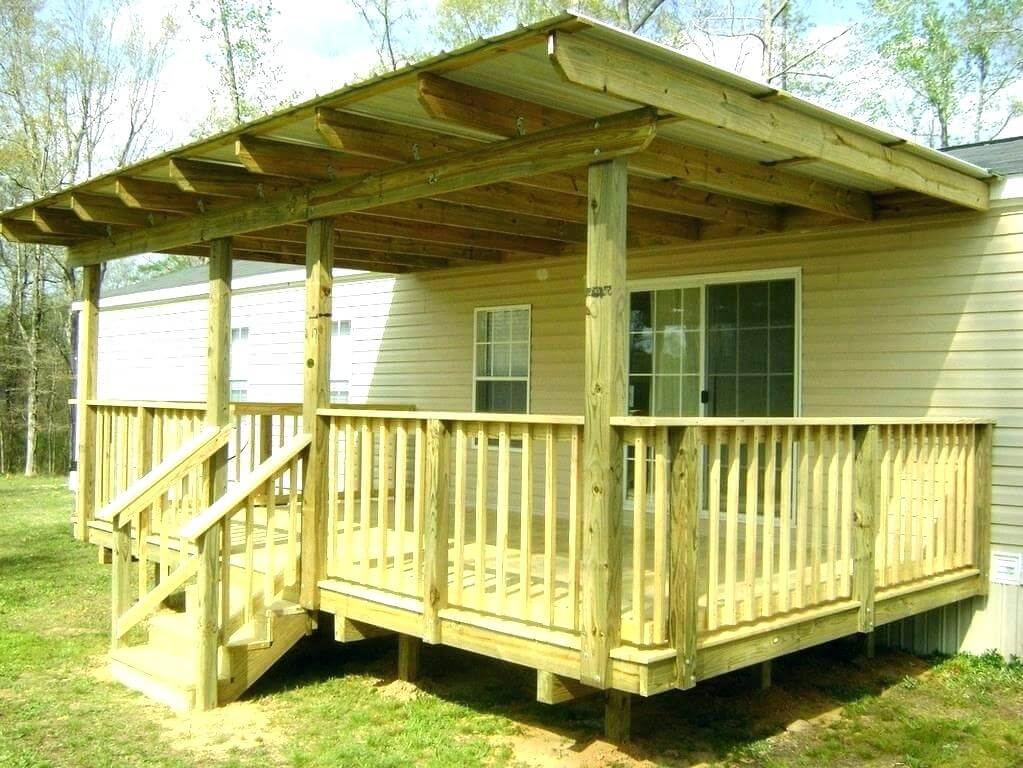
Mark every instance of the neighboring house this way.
pixel 702 375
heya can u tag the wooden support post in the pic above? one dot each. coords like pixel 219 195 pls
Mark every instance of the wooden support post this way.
pixel 218 361
pixel 207 634
pixel 868 490
pixel 143 462
pixel 765 672
pixel 555 689
pixel 435 529
pixel 120 578
pixel 682 575
pixel 218 414
pixel 266 447
pixel 85 416
pixel 868 645
pixel 319 284
pixel 982 502
pixel 606 305
pixel 408 657
pixel 618 716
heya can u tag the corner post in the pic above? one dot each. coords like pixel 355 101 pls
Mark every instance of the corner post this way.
pixel 85 416
pixel 435 529
pixel 606 306
pixel 682 576
pixel 868 492
pixel 982 503
pixel 319 283
pixel 218 414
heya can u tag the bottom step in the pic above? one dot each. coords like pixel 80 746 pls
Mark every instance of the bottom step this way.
pixel 159 675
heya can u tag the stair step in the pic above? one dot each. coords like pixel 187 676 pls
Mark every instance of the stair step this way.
pixel 157 674
pixel 173 632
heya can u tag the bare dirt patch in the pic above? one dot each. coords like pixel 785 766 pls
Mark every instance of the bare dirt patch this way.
pixel 240 727
pixel 399 690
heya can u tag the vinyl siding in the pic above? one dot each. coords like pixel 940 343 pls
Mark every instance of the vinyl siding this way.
pixel 897 320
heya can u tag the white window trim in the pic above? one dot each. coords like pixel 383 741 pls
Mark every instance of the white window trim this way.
pixel 701 281
pixel 529 357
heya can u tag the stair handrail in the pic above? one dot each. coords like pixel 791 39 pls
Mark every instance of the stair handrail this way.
pixel 148 488
pixel 250 484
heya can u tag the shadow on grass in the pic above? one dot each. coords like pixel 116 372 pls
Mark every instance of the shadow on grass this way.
pixel 725 716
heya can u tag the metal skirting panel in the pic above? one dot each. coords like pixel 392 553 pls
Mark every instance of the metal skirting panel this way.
pixel 976 625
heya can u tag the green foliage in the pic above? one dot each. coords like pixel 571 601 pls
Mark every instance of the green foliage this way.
pixel 954 60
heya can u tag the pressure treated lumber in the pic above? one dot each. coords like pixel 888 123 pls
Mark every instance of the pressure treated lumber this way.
pixel 867 509
pixel 546 152
pixel 408 657
pixel 85 416
pixel 683 621
pixel 617 71
pixel 316 394
pixel 606 301
pixel 218 363
pixel 503 115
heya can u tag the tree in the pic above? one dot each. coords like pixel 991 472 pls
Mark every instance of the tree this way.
pixel 389 22
pixel 240 33
pixel 74 97
pixel 954 61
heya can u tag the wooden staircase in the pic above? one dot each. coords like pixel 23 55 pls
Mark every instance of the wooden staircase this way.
pixel 238 564
pixel 164 668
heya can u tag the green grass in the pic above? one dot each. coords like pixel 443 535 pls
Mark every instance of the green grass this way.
pixel 332 705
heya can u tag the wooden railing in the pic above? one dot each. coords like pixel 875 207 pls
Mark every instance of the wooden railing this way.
pixel 787 515
pixel 793 514
pixel 143 523
pixel 253 536
pixel 132 436
pixel 509 530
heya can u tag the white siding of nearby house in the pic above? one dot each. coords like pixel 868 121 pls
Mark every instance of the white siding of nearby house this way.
pixel 897 320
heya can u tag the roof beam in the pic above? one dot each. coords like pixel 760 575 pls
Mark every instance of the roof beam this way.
pixel 533 155
pixel 300 161
pixel 439 233
pixel 485 219
pixel 61 221
pixel 398 143
pixel 21 231
pixel 626 74
pixel 502 115
pixel 104 209
pixel 151 195
pixel 223 180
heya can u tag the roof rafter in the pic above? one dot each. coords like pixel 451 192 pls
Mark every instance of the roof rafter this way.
pixel 502 115
pixel 541 153
pixel 204 177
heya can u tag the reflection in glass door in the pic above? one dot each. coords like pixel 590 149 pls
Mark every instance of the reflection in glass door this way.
pixel 664 352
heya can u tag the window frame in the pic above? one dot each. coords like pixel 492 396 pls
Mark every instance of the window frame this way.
pixel 528 378
pixel 233 377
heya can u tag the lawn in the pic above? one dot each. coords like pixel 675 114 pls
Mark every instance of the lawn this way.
pixel 332 705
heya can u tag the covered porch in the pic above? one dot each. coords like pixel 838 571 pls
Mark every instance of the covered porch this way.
pixel 633 543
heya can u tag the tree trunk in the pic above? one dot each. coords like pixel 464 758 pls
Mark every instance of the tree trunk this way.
pixel 32 361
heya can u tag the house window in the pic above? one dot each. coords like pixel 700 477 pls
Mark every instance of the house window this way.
pixel 340 360
pixel 501 376
pixel 239 381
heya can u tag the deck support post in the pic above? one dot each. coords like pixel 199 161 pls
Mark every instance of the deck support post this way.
pixel 617 716
pixel 982 503
pixel 867 505
pixel 319 284
pixel 682 575
pixel 218 414
pixel 606 306
pixel 120 580
pixel 435 529
pixel 765 673
pixel 408 657
pixel 85 416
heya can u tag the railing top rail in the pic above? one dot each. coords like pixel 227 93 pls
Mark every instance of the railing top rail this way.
pixel 466 417
pixel 168 405
pixel 151 485
pixel 799 421
pixel 237 495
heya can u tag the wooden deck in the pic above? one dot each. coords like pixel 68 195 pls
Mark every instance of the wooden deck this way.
pixel 804 531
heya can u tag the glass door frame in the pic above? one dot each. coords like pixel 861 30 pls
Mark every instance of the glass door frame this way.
pixel 701 281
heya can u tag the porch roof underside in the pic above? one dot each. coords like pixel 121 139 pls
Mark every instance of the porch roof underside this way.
pixel 480 156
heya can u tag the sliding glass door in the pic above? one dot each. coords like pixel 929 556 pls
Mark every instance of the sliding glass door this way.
pixel 714 347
